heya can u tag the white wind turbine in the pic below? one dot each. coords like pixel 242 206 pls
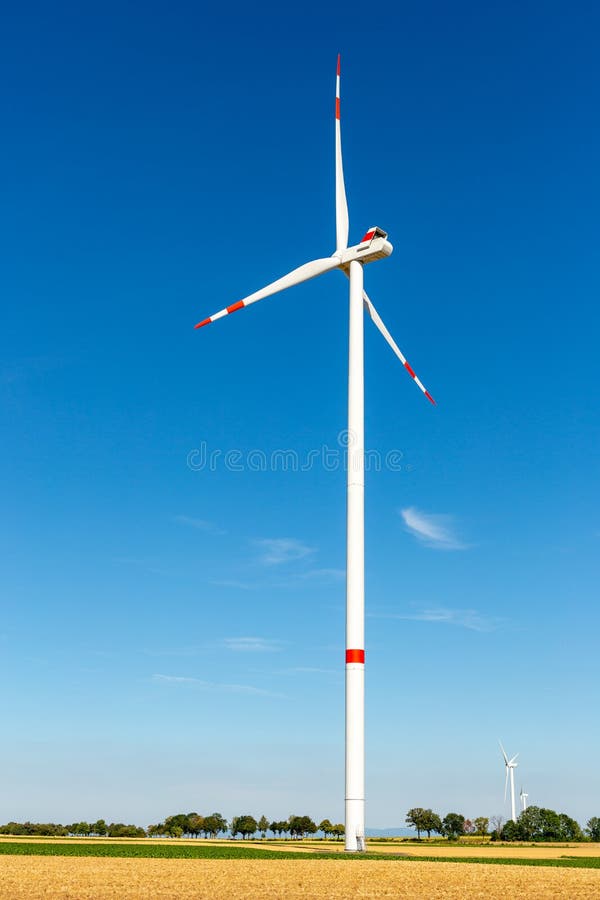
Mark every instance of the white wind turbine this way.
pixel 510 765
pixel 373 246
pixel 523 797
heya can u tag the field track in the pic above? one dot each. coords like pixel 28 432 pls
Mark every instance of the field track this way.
pixel 85 878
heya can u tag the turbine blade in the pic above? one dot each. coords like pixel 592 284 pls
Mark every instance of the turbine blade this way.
pixel 512 761
pixel 378 322
pixel 297 276
pixel 503 753
pixel 342 224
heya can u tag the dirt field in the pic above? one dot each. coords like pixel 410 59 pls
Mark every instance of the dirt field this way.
pixel 67 878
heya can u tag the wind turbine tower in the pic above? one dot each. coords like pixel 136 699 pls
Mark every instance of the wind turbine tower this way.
pixel 350 260
pixel 523 797
pixel 511 765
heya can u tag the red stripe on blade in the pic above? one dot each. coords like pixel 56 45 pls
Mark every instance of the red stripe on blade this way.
pixel 338 65
pixel 203 322
pixel 337 107
pixel 410 370
pixel 430 398
pixel 235 306
pixel 355 656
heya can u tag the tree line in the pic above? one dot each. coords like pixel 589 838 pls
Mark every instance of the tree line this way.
pixel 77 829
pixel 190 825
pixel 533 824
pixel 194 825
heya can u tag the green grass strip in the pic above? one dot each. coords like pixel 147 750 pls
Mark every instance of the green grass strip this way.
pixel 190 851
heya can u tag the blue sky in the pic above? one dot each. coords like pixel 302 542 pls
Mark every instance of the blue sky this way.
pixel 172 635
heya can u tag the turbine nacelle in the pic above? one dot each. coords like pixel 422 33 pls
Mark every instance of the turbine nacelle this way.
pixel 374 245
pixel 509 763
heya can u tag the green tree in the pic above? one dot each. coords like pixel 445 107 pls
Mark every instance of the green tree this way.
pixel 181 820
pixel 551 825
pixel 49 829
pixel 119 829
pixel 326 827
pixel 593 828
pixel 300 826
pixel 453 825
pixel 511 831
pixel 339 831
pixel 263 826
pixel 195 824
pixel 100 828
pixel 481 824
pixel 415 818
pixel 570 830
pixel 431 822
pixel 244 825
pixel 214 824
pixel 308 826
pixel 539 824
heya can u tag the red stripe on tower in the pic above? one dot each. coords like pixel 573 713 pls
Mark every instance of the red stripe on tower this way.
pixel 355 656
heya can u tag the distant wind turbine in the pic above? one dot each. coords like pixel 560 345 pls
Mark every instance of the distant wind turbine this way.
pixel 523 797
pixel 511 765
pixel 351 260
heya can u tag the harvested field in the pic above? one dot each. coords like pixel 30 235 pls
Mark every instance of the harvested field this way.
pixel 466 851
pixel 498 851
pixel 67 878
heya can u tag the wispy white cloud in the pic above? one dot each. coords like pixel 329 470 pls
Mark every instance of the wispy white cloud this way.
pixel 465 618
pixel 213 686
pixel 275 551
pixel 432 530
pixel 252 644
pixel 199 524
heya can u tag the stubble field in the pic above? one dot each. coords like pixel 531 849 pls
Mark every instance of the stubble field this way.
pixel 27 876
pixel 441 851
pixel 34 878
